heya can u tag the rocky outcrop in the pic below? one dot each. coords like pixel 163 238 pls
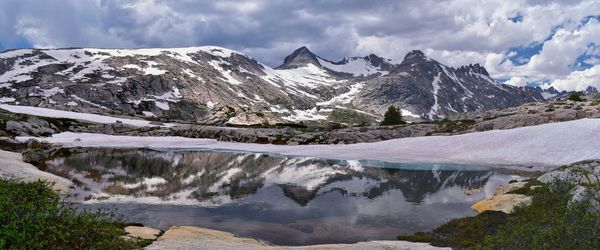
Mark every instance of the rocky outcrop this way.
pixel 585 178
pixel 185 237
pixel 581 173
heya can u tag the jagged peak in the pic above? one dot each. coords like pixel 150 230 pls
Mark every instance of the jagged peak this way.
pixel 473 68
pixel 299 58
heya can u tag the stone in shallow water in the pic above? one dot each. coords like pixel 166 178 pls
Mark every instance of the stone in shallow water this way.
pixel 504 203
pixel 185 237
pixel 146 233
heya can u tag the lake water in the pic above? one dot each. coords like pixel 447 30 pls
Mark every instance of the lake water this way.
pixel 283 200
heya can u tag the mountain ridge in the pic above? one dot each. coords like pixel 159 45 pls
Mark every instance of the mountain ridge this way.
pixel 214 85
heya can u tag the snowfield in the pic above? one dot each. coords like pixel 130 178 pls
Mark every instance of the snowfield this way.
pixel 543 146
pixel 53 113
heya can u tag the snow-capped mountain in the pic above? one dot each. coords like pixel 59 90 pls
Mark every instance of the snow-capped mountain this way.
pixel 217 86
pixel 348 67
pixel 424 87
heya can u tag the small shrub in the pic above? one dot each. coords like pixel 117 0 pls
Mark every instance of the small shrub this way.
pixel 32 216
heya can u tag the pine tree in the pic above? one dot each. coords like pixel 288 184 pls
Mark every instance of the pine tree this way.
pixel 392 117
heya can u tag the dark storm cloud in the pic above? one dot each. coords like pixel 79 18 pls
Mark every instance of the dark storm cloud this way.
pixel 455 32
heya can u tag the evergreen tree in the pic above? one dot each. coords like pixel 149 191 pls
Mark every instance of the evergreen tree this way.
pixel 576 96
pixel 392 117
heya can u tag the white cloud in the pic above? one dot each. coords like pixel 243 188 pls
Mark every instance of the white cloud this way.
pixel 579 80
pixel 559 54
pixel 453 32
pixel 517 81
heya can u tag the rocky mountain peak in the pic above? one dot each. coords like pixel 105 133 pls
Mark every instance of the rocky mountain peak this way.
pixel 414 56
pixel 378 61
pixel 299 58
pixel 591 90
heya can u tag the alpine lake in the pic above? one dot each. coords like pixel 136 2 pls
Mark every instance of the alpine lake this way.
pixel 280 199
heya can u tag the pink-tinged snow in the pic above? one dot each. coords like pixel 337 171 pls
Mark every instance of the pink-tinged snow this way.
pixel 53 113
pixel 546 145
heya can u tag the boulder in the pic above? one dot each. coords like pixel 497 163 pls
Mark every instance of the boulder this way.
pixel 505 203
pixel 146 233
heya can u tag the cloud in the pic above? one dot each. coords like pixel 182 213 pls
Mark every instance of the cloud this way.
pixel 517 81
pixel 579 80
pixel 454 32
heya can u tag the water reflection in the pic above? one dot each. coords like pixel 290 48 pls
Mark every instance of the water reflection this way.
pixel 285 200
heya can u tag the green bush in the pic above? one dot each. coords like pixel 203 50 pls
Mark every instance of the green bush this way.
pixel 32 216
pixel 392 116
pixel 550 222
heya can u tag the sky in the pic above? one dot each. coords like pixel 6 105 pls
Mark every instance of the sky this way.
pixel 526 42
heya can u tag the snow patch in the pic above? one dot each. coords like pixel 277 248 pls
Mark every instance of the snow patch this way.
pixel 436 87
pixel 305 115
pixel 45 112
pixel 547 145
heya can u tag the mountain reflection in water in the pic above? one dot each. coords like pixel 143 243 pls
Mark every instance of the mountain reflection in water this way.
pixel 285 200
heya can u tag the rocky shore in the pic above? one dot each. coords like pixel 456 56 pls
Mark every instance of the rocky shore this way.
pixel 183 237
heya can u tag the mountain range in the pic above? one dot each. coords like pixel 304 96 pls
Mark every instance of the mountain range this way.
pixel 214 85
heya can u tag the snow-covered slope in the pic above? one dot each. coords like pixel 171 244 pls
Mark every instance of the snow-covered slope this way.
pixel 546 145
pixel 53 113
pixel 357 66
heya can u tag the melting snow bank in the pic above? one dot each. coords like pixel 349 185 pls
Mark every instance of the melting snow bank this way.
pixel 53 113
pixel 544 146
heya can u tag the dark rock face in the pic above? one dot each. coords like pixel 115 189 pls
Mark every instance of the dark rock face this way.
pixel 299 58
